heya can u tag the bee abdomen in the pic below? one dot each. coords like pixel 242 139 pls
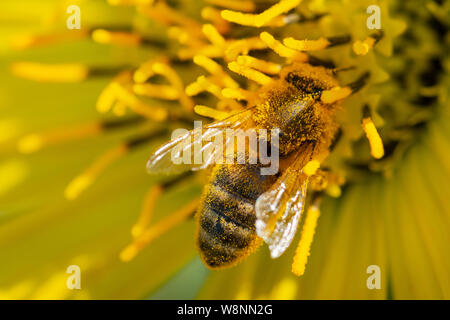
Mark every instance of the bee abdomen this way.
pixel 227 217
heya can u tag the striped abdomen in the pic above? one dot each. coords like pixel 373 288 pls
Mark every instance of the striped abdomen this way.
pixel 226 231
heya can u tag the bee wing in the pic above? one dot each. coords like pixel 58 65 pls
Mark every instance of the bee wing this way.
pixel 177 156
pixel 278 210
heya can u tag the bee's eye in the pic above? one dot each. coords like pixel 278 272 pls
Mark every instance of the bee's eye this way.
pixel 307 85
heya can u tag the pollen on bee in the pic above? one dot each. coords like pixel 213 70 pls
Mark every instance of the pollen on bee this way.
pixel 375 142
pixel 304 246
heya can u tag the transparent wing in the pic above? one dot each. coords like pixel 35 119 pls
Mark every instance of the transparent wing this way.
pixel 278 210
pixel 195 149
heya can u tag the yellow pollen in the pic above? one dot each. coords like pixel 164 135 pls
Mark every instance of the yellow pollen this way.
pixel 258 64
pixel 311 167
pixel 83 181
pixel 210 113
pixel 156 91
pixel 362 47
pixel 375 142
pixel 118 38
pixel 241 5
pixel 304 246
pixel 335 94
pixel 306 45
pixel 215 69
pixel 258 20
pixel 147 211
pixel 249 73
pixel 157 230
pixel 280 49
pixel 65 73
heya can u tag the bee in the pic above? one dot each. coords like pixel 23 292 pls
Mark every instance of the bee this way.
pixel 241 207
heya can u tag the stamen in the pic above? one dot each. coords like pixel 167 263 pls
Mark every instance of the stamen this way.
pixel 258 64
pixel 118 38
pixel 243 46
pixel 238 94
pixel 306 45
pixel 280 49
pixel 375 142
pixel 210 51
pixel 164 92
pixel 335 94
pixel 213 15
pixel 175 80
pixel 147 211
pixel 130 2
pixel 249 73
pixel 240 5
pixel 158 230
pixel 145 71
pixel 258 20
pixel 83 181
pixel 34 142
pixel 151 112
pixel 311 167
pixel 204 84
pixel 210 113
pixel 31 41
pixel 361 48
pixel 304 246
pixel 50 72
pixel 215 69
pixel 184 37
pixel 213 35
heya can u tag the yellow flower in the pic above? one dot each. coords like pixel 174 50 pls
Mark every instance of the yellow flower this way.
pixel 71 189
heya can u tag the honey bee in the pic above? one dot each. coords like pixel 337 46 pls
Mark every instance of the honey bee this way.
pixel 240 207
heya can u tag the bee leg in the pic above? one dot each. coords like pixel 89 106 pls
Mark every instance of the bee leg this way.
pixel 88 177
pixel 158 229
pixel 375 141
pixel 304 245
